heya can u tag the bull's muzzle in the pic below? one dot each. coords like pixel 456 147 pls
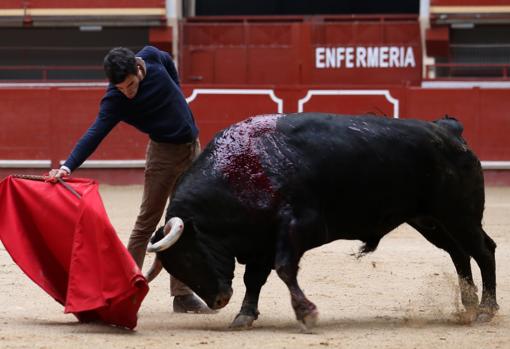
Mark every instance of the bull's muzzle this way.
pixel 220 300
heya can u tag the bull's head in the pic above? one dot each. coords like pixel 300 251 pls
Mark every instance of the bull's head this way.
pixel 193 260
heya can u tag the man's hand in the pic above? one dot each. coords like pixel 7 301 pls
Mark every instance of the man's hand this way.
pixel 56 173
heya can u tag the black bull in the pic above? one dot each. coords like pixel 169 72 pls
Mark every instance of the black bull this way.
pixel 266 190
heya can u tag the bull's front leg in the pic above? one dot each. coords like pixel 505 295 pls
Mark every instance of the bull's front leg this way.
pixel 255 276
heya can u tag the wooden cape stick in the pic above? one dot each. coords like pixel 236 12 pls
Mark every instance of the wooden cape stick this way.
pixel 44 178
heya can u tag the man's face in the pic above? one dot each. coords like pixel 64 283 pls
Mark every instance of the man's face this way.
pixel 129 87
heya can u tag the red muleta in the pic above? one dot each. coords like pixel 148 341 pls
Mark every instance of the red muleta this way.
pixel 66 244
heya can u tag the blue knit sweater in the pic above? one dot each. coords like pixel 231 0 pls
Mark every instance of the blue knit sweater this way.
pixel 158 109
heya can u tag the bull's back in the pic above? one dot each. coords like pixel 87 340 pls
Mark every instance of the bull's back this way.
pixel 373 164
pixel 321 146
pixel 350 164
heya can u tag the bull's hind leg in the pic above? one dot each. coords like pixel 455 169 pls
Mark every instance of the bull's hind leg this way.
pixel 481 247
pixel 306 312
pixel 255 277
pixel 289 249
pixel 438 236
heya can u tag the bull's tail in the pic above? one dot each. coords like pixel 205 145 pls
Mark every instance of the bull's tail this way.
pixel 451 124
pixel 491 245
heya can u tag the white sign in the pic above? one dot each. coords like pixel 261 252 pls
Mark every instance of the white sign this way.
pixel 364 57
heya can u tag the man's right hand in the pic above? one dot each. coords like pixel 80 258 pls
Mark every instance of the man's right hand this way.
pixel 57 173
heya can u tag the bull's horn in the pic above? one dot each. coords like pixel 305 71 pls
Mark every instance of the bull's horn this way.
pixel 173 230
pixel 154 270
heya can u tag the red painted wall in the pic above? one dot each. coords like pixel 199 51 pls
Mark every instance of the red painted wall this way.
pixel 44 123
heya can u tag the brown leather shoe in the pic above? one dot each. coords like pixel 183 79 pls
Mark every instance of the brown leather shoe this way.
pixel 190 303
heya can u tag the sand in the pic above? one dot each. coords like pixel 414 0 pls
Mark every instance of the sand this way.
pixel 404 295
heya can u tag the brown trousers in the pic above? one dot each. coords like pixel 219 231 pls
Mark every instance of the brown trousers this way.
pixel 165 162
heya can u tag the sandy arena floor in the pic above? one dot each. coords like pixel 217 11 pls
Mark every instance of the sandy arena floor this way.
pixel 402 296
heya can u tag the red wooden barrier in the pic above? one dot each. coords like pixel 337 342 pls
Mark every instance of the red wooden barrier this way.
pixel 40 125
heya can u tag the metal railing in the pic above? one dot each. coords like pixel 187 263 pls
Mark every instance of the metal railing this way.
pixel 45 73
pixel 467 71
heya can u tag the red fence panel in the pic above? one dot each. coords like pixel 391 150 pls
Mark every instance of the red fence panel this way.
pixel 74 110
pixel 26 132
pixel 494 123
pixel 43 123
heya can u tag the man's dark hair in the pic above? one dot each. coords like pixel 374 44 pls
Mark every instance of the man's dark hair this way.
pixel 118 64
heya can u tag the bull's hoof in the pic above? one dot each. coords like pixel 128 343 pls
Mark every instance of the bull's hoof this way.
pixel 486 314
pixel 484 317
pixel 242 322
pixel 486 311
pixel 309 321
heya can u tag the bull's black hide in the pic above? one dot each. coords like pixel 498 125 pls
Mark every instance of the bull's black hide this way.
pixel 266 190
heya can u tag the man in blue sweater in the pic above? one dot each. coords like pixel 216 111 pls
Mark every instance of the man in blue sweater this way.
pixel 144 92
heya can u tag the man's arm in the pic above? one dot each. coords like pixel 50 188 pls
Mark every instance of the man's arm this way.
pixel 85 146
pixel 168 62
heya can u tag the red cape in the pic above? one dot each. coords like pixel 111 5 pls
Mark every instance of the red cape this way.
pixel 68 247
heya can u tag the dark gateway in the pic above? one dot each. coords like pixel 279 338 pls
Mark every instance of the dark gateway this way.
pixel 272 187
